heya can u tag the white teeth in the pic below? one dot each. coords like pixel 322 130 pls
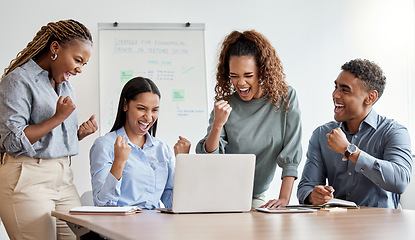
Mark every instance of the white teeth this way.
pixel 338 105
pixel 145 124
pixel 244 89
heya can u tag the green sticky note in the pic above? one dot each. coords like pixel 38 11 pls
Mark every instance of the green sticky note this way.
pixel 126 75
pixel 178 95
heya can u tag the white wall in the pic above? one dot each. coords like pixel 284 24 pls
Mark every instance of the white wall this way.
pixel 313 39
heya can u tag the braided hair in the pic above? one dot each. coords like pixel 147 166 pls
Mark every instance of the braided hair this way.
pixel 271 74
pixel 62 31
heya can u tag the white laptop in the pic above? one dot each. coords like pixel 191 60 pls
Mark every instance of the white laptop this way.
pixel 212 183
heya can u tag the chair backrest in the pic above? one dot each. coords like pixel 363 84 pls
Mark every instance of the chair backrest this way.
pixel 3 233
pixel 407 198
pixel 87 199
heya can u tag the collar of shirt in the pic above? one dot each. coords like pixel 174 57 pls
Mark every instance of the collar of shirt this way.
pixel 35 68
pixel 149 139
pixel 253 101
pixel 370 120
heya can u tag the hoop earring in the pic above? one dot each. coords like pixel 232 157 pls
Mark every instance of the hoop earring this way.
pixel 54 57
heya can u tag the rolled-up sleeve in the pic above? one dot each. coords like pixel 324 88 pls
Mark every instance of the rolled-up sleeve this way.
pixel 15 105
pixel 105 187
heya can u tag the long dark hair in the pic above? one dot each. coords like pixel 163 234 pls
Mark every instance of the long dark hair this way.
pixel 130 92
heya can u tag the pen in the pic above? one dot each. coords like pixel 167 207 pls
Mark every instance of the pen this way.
pixel 331 190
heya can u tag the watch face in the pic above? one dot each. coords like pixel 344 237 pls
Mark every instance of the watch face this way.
pixel 351 148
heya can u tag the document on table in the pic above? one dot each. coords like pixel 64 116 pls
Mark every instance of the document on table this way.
pixel 107 210
pixel 287 210
pixel 334 202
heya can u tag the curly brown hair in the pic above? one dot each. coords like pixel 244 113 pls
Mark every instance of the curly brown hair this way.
pixel 271 74
pixel 62 31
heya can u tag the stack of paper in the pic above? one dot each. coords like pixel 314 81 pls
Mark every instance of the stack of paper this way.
pixel 110 210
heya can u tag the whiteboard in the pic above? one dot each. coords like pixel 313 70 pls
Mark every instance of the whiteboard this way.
pixel 173 56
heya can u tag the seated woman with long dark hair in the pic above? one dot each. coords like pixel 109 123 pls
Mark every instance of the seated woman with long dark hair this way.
pixel 129 166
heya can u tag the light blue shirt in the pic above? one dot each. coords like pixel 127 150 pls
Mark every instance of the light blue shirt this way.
pixel 147 177
pixel 28 98
pixel 381 174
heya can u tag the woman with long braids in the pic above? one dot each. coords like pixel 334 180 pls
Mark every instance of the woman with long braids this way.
pixel 256 112
pixel 39 131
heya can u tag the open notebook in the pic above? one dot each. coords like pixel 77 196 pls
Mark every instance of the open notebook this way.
pixel 334 202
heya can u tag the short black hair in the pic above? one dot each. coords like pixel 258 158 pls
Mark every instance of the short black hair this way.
pixel 368 72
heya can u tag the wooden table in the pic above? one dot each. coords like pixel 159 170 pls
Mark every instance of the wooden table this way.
pixel 364 223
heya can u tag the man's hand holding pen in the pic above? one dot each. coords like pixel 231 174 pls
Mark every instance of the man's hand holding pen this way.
pixel 320 195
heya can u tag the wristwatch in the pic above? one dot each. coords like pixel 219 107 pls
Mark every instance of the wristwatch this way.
pixel 349 151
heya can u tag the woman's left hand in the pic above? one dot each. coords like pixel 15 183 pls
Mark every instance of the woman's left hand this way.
pixel 87 128
pixel 276 203
pixel 182 146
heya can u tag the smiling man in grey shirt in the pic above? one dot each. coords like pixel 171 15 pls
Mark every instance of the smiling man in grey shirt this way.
pixel 365 157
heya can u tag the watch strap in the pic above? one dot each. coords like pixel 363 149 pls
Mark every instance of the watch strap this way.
pixel 347 154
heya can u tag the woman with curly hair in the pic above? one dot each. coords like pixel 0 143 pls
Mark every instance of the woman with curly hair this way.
pixel 256 112
pixel 39 131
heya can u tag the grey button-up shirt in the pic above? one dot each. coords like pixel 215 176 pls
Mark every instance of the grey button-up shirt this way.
pixel 27 98
pixel 381 174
